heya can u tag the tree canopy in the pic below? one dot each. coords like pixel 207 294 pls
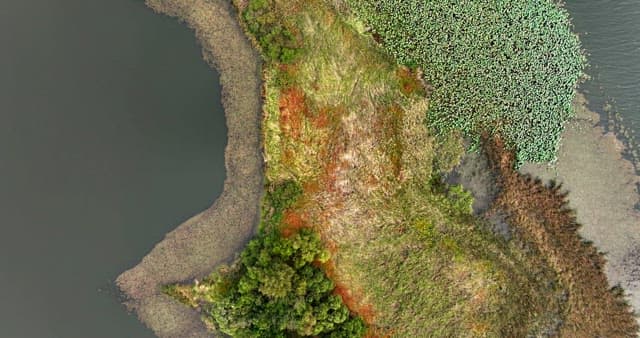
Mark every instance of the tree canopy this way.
pixel 276 290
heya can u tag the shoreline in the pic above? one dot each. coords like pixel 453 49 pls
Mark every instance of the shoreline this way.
pixel 214 236
pixel 601 185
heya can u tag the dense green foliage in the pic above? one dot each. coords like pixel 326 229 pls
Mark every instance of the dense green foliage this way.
pixel 281 196
pixel 278 197
pixel 277 291
pixel 276 288
pixel 276 40
pixel 497 66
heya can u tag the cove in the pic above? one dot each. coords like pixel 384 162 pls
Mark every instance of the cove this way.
pixel 111 134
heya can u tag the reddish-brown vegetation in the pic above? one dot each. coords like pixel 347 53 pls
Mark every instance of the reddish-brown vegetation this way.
pixel 322 117
pixel 409 82
pixel 311 187
pixel 352 299
pixel 292 111
pixel 292 222
pixel 540 216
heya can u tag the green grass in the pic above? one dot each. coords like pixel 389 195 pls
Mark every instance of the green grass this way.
pixel 436 274
pixel 412 259
pixel 349 155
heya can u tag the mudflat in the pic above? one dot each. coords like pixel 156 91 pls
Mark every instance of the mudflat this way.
pixel 602 190
pixel 214 236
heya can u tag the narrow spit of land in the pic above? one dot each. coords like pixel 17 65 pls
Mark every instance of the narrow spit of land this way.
pixel 197 246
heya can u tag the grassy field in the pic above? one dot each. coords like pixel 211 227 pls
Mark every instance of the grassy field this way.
pixel 343 120
pixel 346 128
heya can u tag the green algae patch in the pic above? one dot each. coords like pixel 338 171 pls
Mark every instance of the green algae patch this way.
pixel 504 67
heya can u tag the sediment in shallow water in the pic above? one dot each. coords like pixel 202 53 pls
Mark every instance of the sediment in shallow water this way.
pixel 212 237
pixel 602 189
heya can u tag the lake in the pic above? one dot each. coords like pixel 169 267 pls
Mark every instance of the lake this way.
pixel 111 134
pixel 610 32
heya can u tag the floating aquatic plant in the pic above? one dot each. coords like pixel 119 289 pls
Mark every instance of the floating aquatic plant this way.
pixel 498 66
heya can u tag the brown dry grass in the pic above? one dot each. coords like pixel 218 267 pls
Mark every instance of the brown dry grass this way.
pixel 541 216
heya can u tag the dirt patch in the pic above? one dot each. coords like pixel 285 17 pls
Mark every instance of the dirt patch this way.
pixel 197 246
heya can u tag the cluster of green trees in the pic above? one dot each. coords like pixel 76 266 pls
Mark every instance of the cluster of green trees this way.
pixel 276 288
pixel 278 197
pixel 276 40
pixel 497 66
pixel 276 291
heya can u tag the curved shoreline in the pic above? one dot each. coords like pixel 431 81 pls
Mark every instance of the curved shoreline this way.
pixel 590 167
pixel 212 237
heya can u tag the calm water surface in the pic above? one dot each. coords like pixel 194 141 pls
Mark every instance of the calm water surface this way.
pixel 610 31
pixel 111 134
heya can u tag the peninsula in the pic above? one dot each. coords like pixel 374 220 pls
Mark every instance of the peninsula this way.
pixel 373 178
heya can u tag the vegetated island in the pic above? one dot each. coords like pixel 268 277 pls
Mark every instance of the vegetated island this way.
pixel 368 109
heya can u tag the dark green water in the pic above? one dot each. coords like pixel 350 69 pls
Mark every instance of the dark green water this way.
pixel 111 134
pixel 610 32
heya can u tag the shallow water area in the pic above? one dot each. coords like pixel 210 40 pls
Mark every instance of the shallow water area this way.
pixel 610 33
pixel 602 186
pixel 111 134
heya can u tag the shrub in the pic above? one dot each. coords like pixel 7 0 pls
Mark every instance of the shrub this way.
pixel 279 197
pixel 499 66
pixel 276 41
pixel 277 291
